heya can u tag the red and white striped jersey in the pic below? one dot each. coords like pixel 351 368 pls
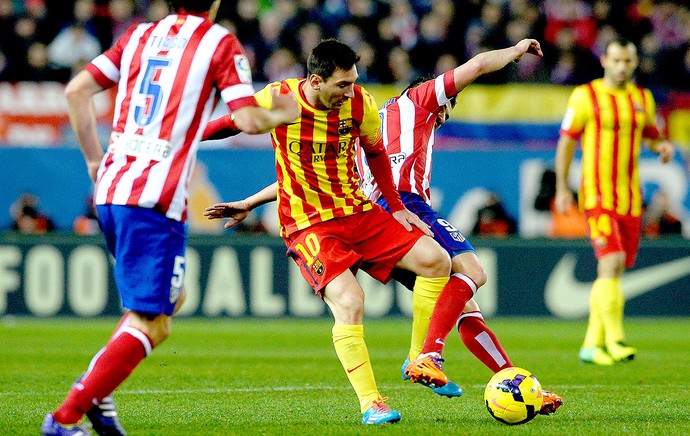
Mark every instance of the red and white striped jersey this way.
pixel 408 134
pixel 167 74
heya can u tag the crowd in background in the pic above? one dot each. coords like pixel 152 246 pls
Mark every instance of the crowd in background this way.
pixel 49 40
pixel 397 39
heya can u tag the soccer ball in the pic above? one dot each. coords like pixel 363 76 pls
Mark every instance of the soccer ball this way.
pixel 513 396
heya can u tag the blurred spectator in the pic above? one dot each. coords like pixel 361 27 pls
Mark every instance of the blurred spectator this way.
pixel 400 67
pixel 403 23
pixel 431 32
pixel 122 16
pixel 659 219
pixel 27 218
pixel 157 10
pixel 282 64
pixel 574 15
pixel 72 45
pixel 308 37
pixel 367 68
pixel 87 223
pixel 432 42
pixel 493 219
pixel 40 68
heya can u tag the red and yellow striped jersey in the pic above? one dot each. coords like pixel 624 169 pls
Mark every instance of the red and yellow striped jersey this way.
pixel 315 157
pixel 611 124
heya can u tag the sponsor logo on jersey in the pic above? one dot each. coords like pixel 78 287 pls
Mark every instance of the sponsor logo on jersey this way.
pixel 397 158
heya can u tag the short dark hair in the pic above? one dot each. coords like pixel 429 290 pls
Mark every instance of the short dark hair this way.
pixel 425 78
pixel 623 42
pixel 329 55
pixel 190 5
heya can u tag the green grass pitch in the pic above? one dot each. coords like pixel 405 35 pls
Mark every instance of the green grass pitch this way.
pixel 266 376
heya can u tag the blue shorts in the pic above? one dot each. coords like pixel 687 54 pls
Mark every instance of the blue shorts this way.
pixel 445 234
pixel 149 250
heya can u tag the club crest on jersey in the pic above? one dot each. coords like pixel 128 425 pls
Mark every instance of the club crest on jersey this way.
pixel 317 267
pixel 456 235
pixel 243 71
pixel 344 126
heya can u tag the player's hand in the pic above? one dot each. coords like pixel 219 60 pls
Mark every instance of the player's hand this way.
pixel 665 150
pixel 530 46
pixel 564 201
pixel 408 219
pixel 286 105
pixel 235 210
pixel 92 168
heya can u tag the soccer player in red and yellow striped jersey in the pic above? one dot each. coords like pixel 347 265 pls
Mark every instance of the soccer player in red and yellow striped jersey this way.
pixel 330 227
pixel 611 117
pixel 315 154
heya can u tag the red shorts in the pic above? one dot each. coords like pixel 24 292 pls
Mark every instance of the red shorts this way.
pixel 611 233
pixel 372 241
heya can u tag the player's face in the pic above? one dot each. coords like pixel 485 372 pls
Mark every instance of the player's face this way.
pixel 443 115
pixel 338 89
pixel 619 64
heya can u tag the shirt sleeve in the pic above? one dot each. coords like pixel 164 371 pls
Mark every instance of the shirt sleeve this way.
pixel 370 128
pixel 371 142
pixel 435 93
pixel 233 74
pixel 105 68
pixel 264 98
pixel 576 114
pixel 650 130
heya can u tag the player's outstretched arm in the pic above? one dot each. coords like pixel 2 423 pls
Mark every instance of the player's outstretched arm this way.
pixel 82 115
pixel 254 119
pixel 239 210
pixel 493 60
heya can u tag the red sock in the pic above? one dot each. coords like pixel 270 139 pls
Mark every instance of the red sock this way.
pixel 482 342
pixel 108 369
pixel 449 306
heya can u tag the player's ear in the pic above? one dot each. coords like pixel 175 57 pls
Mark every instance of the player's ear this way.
pixel 315 81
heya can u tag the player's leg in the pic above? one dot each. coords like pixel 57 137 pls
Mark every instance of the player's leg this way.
pixel 630 229
pixel 156 245
pixel 593 346
pixel 426 290
pixel 103 416
pixel 429 286
pixel 428 259
pixel 603 341
pixel 325 262
pixel 480 340
pixel 424 296
pixel 345 298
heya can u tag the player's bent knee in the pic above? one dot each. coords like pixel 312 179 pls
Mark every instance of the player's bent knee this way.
pixel 157 328
pixel 471 306
pixel 435 262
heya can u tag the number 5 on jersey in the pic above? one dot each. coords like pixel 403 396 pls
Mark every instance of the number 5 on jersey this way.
pixel 150 91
